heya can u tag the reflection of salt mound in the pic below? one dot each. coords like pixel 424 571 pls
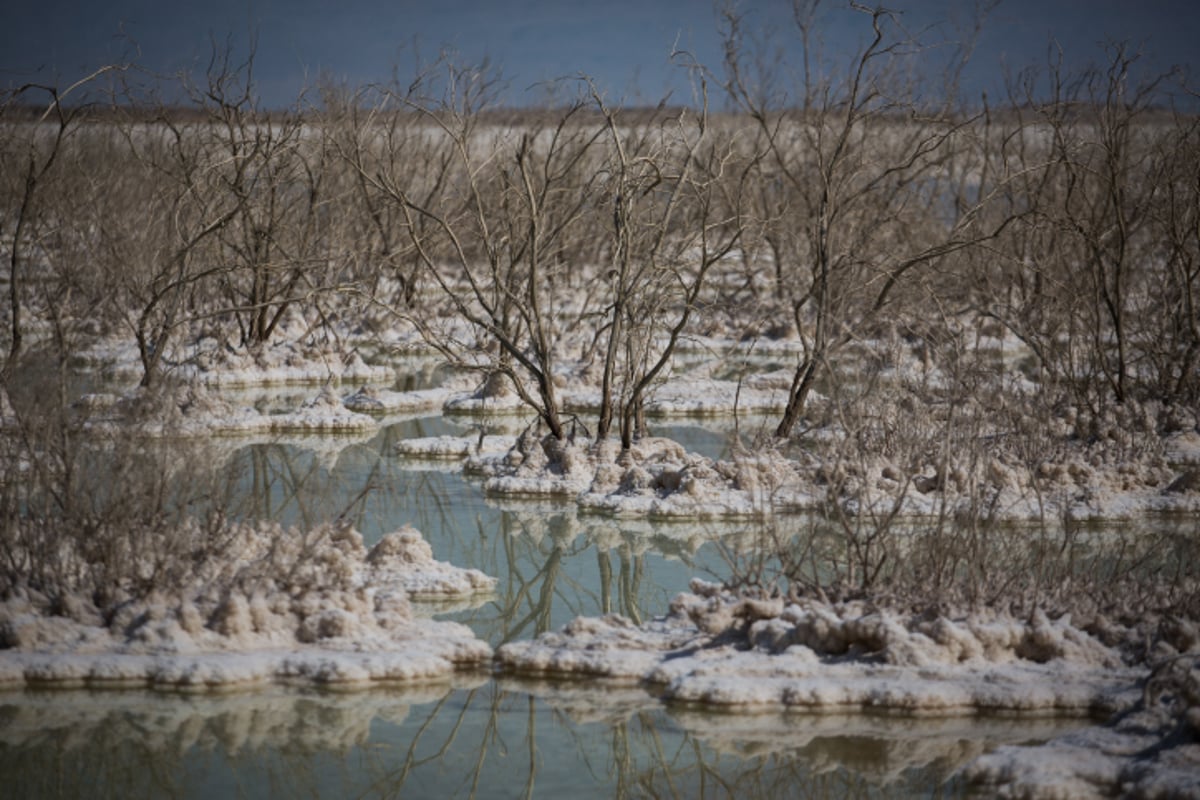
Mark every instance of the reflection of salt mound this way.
pixel 584 703
pixel 669 538
pixel 274 717
pixel 885 746
pixel 717 650
pixel 266 603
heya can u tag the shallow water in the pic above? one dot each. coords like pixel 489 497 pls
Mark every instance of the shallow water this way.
pixel 553 564
pixel 483 736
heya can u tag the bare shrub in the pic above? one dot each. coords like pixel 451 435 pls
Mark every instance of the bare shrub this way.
pixel 102 516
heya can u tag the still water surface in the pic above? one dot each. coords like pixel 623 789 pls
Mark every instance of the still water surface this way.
pixel 487 738
pixel 483 736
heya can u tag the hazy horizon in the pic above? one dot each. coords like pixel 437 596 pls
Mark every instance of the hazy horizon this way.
pixel 624 45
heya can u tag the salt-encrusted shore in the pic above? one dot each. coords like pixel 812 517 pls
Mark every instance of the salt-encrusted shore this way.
pixel 275 606
pixel 718 650
pixel 1151 751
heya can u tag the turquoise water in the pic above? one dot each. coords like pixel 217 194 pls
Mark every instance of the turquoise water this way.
pixel 553 564
pixel 483 736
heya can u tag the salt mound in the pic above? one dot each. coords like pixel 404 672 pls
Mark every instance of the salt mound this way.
pixel 656 477
pixel 187 410
pixel 536 465
pixel 453 447
pixel 279 363
pixel 272 605
pixel 404 558
pixel 698 397
pixel 325 413
pixel 715 649
pixel 370 400
pixel 197 410
pixel 1152 751
pixel 494 397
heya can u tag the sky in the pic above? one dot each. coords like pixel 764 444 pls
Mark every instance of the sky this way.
pixel 624 45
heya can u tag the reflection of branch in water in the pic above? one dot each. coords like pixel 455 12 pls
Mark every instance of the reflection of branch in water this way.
pixel 139 744
pixel 489 734
pixel 531 738
pixel 628 583
pixel 490 741
pixel 605 569
pixel 624 571
pixel 276 482
pixel 659 751
pixel 297 486
pixel 622 759
pixel 539 612
pixel 586 739
pixel 645 723
pixel 631 581
pixel 391 780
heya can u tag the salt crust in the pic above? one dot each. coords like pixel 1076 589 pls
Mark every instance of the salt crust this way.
pixel 659 478
pixel 1114 476
pixel 197 411
pixel 705 396
pixel 1152 751
pixel 716 650
pixel 207 362
pixel 286 363
pixel 678 397
pixel 276 605
pixel 371 400
pixel 453 447
pixel 1183 448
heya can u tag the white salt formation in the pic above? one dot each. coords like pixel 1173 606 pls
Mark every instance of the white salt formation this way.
pixel 196 410
pixel 1152 751
pixel 270 604
pixel 372 400
pixel 715 649
pixel 453 447
pixel 295 355
pixel 718 650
